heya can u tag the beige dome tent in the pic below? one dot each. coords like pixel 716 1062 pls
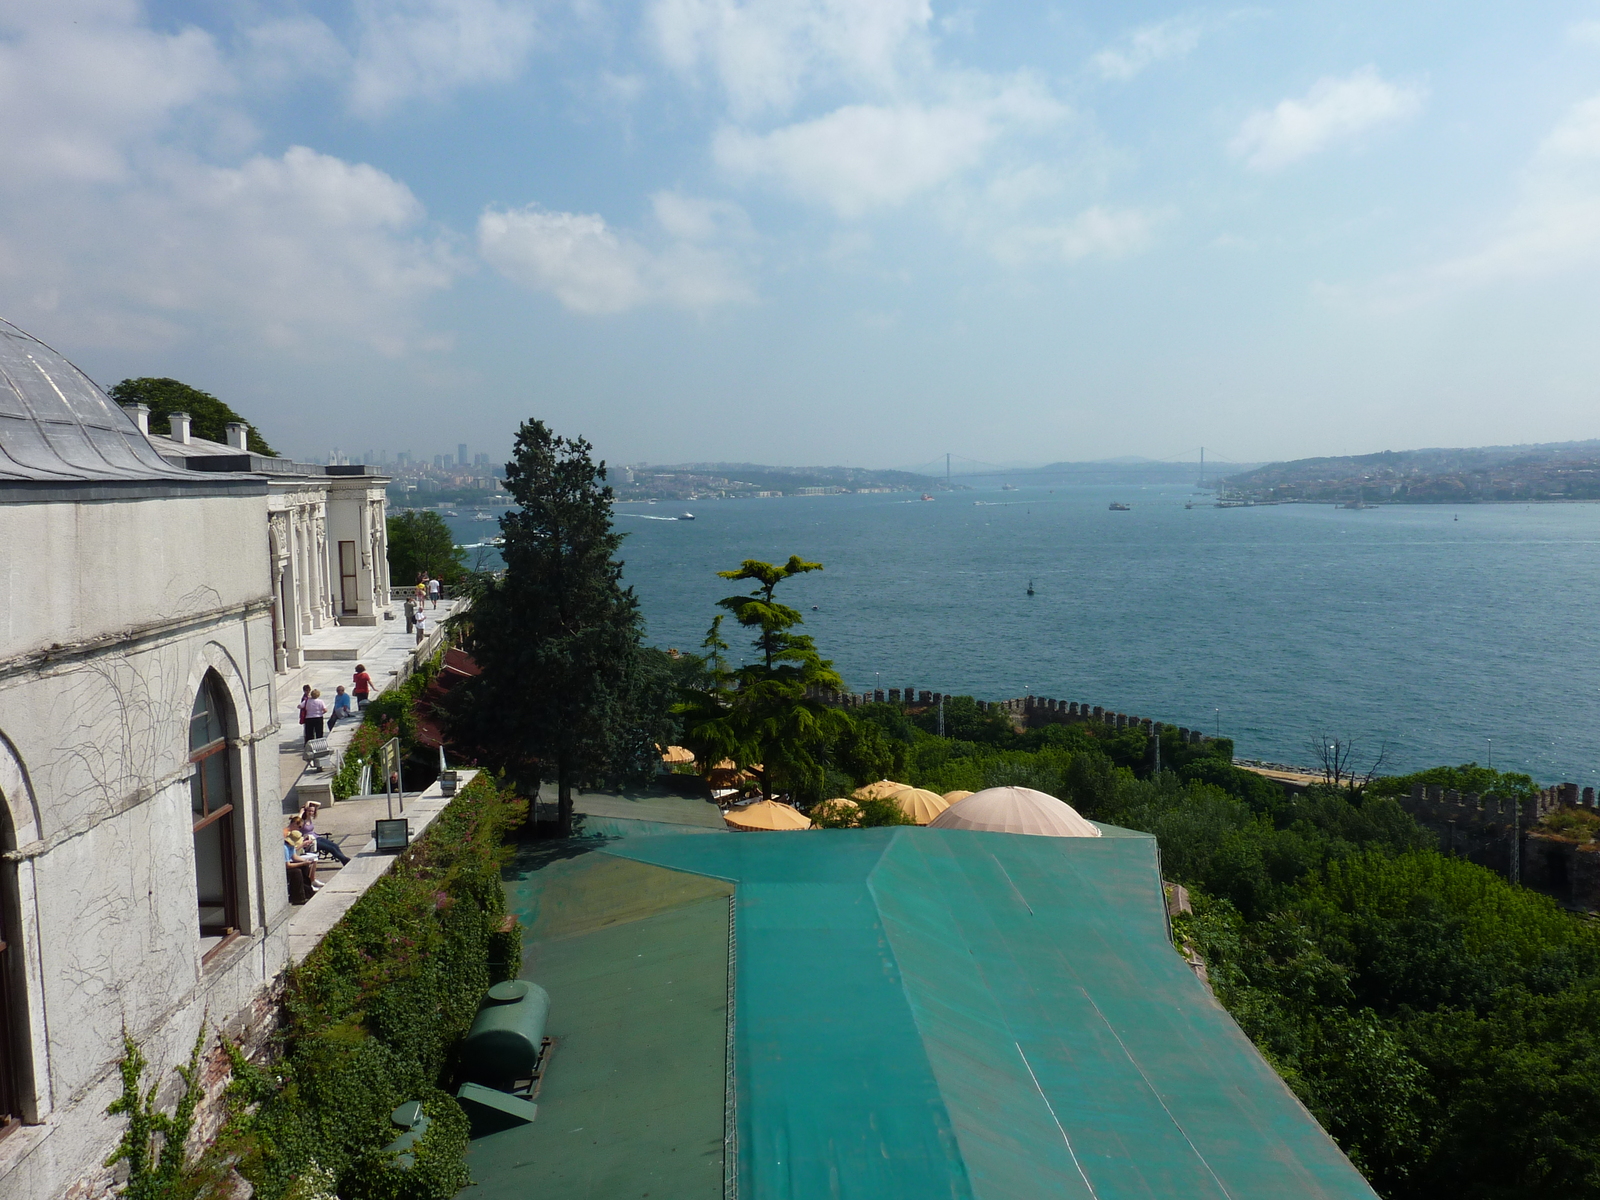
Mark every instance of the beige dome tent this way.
pixel 1015 810
pixel 765 816
pixel 881 790
pixel 952 797
pixel 919 804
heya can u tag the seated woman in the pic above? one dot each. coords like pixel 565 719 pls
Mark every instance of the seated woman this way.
pixel 341 707
pixel 294 854
pixel 306 823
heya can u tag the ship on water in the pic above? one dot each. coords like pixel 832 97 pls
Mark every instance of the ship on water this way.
pixel 1118 506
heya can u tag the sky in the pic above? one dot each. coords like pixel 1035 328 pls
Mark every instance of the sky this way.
pixel 809 232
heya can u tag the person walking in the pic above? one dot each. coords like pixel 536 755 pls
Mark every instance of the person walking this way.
pixel 411 614
pixel 361 685
pixel 433 591
pixel 422 626
pixel 305 695
pixel 315 711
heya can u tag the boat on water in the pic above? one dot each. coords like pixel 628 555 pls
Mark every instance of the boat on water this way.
pixel 496 542
pixel 688 516
pixel 482 516
pixel 1118 506
pixel 1006 487
pixel 1030 587
pixel 925 496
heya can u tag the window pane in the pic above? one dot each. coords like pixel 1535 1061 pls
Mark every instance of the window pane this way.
pixel 205 722
pixel 212 871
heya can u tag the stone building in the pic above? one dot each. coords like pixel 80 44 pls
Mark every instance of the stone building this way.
pixel 140 885
pixel 326 533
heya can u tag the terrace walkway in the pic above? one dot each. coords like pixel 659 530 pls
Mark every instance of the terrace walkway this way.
pixel 390 655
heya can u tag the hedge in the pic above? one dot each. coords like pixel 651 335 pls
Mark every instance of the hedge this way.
pixel 392 714
pixel 372 1015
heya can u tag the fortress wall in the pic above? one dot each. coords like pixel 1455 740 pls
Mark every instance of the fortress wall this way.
pixel 1034 710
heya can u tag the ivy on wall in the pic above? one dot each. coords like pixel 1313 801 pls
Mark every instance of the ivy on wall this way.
pixel 372 1016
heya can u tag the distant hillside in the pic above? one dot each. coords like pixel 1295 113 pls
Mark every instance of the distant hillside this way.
pixel 1550 471
pixel 1130 470
pixel 688 481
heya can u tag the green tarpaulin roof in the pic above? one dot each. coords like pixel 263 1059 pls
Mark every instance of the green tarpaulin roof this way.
pixel 924 1013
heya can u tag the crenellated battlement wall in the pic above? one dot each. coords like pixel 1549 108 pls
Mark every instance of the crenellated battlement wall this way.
pixel 1033 710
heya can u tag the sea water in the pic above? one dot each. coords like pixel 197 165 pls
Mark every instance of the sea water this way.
pixel 1433 634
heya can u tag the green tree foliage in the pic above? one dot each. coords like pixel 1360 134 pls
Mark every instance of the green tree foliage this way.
pixel 1468 777
pixel 420 541
pixel 759 715
pixel 373 1014
pixel 210 417
pixel 565 692
pixel 1441 1024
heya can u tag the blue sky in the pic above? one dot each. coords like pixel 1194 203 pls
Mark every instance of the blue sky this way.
pixel 820 231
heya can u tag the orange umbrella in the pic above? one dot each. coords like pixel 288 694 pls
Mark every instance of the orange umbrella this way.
pixel 919 804
pixel 675 756
pixel 881 790
pixel 952 797
pixel 764 816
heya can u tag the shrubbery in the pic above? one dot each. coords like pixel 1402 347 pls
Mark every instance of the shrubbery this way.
pixel 1442 1024
pixel 372 1015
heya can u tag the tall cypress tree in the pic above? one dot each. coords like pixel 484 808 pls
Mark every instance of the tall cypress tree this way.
pixel 557 636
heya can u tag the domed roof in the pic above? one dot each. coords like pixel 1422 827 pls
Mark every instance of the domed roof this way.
pixel 56 425
pixel 1015 810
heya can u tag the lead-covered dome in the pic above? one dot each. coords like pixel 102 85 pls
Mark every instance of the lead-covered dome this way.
pixel 1015 810
pixel 56 425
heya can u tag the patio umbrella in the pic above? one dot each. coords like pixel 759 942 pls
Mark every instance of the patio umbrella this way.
pixel 881 790
pixel 1015 810
pixel 952 797
pixel 675 756
pixel 919 804
pixel 765 815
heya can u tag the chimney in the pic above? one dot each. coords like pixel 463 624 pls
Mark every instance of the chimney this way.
pixel 140 414
pixel 237 435
pixel 180 427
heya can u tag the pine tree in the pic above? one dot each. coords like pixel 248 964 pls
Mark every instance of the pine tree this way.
pixel 557 636
pixel 760 715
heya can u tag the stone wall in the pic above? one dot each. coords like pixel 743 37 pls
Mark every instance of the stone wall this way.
pixel 1033 711
pixel 1491 830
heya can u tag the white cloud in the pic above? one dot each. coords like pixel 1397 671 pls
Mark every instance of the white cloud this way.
pixel 1333 110
pixel 694 219
pixel 1146 46
pixel 1584 32
pixel 1553 227
pixel 592 269
pixel 863 157
pixel 1096 232
pixel 762 52
pixel 293 48
pixel 428 48
pixel 301 252
pixel 81 82
pixel 1555 224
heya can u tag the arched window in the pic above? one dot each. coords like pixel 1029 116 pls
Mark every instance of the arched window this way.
pixel 211 799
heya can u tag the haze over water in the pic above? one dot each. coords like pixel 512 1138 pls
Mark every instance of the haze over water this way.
pixel 1430 628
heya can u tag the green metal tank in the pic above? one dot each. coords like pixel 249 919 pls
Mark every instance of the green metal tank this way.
pixel 503 1043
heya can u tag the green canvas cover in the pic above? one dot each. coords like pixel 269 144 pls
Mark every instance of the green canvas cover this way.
pixel 927 1013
